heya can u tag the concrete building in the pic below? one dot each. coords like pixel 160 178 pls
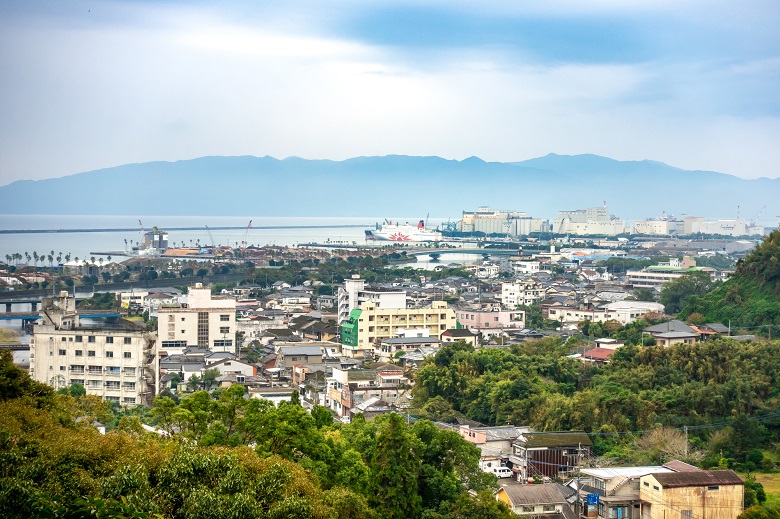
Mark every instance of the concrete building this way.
pixel 112 361
pixel 205 320
pixel 656 275
pixel 700 494
pixel 355 292
pixel 521 293
pixel 370 324
pixel 490 322
pixel 737 227
pixel 513 223
pixel 595 221
pixel 659 227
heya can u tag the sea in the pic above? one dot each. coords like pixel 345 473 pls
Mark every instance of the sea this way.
pixel 78 235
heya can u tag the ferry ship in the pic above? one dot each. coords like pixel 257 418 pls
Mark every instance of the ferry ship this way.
pixel 403 233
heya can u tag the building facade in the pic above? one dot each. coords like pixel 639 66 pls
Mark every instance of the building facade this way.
pixel 370 324
pixel 206 321
pixel 110 361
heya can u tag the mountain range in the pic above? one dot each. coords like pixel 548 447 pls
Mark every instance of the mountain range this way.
pixel 394 185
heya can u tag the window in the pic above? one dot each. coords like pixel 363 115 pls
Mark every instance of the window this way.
pixel 79 353
pixel 224 317
pixel 528 509
pixel 655 487
pixel 112 399
pixel 91 353
pixel 95 370
pixel 109 354
pixel 62 368
pixel 64 339
pixel 127 355
pixel 91 338
pixel 129 385
pixel 61 352
pixel 112 384
pixel 112 370
pixel 109 340
pixel 128 340
pixel 129 372
pixel 646 484
pixel 203 329
pixel 79 338
pixel 79 381
pixel 224 329
pixel 223 344
pixel 129 400
pixel 713 487
pixel 548 508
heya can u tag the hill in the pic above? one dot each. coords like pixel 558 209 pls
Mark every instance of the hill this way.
pixel 393 185
pixel 751 297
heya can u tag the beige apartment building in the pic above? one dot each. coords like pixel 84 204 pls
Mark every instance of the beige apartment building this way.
pixel 111 361
pixel 369 325
pixel 205 320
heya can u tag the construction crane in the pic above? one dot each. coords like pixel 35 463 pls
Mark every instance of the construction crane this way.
pixel 246 234
pixel 757 216
pixel 210 236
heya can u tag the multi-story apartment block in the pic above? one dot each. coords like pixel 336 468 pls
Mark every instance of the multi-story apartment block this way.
pixel 521 294
pixel 111 361
pixel 656 275
pixel 355 292
pixel 205 320
pixel 370 324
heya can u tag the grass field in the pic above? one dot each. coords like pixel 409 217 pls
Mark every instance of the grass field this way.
pixel 771 484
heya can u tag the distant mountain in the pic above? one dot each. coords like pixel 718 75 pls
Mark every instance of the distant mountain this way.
pixel 393 185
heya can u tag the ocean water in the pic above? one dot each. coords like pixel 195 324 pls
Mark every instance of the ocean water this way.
pixel 289 231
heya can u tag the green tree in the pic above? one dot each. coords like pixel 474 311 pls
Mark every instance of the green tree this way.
pixel 396 467
pixel 678 293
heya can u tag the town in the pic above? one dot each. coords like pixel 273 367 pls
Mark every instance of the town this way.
pixel 353 333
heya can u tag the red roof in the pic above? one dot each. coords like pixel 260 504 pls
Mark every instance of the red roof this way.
pixel 598 354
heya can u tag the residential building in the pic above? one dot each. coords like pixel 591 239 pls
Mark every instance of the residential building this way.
pixel 617 489
pixel 395 346
pixel 355 292
pixel 490 322
pixel 347 388
pixel 655 276
pixel 111 360
pixel 521 293
pixel 205 320
pixel 701 494
pixel 370 324
pixel 547 500
pixel 549 454
pixel 461 334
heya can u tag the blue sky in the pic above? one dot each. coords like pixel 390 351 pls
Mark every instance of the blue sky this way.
pixel 88 84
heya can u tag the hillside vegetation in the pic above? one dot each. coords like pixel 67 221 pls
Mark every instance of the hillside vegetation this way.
pixel 751 297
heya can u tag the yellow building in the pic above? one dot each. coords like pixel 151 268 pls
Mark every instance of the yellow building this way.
pixel 368 325
pixel 701 494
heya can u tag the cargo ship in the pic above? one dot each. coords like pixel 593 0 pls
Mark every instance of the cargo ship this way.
pixel 390 231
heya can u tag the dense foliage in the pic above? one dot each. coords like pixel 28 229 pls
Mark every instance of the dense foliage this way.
pixel 537 385
pixel 751 297
pixel 53 463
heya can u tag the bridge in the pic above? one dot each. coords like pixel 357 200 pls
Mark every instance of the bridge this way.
pixel 484 252
pixel 33 316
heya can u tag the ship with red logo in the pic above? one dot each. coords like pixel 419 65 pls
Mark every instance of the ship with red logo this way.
pixel 396 232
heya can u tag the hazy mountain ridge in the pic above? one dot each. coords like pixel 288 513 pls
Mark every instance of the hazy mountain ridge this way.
pixel 393 184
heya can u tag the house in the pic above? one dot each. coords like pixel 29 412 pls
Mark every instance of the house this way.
pixel 617 491
pixel 391 348
pixel 597 356
pixel 461 334
pixel 670 338
pixel 547 500
pixel 549 454
pixel 702 494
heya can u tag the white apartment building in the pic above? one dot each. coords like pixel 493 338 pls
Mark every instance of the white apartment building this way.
pixel 523 293
pixel 112 362
pixel 205 320
pixel 354 293
pixel 590 221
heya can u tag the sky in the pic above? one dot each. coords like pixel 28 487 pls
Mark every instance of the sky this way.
pixel 92 84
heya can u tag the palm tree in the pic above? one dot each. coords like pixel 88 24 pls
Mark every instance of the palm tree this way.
pixel 27 255
pixel 51 260
pixel 59 258
pixel 35 257
pixel 8 258
pixel 67 258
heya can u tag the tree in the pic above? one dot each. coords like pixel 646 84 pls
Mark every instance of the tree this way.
pixel 678 293
pixel 396 466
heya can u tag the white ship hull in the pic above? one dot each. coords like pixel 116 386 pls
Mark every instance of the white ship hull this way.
pixel 403 233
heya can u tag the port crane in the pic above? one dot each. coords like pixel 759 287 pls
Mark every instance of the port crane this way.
pixel 210 236
pixel 246 234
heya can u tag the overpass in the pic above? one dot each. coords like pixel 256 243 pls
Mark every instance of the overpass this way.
pixel 33 316
pixel 484 252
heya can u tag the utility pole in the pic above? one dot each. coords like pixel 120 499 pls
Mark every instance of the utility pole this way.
pixel 685 428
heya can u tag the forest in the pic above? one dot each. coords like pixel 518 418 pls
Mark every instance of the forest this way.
pixel 226 457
